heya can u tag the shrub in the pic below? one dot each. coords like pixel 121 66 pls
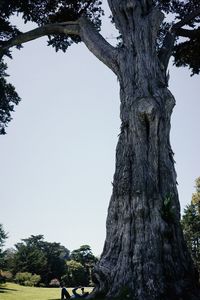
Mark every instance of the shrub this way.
pixel 76 274
pixel 6 275
pixel 54 283
pixel 35 279
pixel 2 279
pixel 41 284
pixel 27 279
pixel 21 277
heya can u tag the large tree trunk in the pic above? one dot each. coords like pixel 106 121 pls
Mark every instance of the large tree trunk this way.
pixel 144 257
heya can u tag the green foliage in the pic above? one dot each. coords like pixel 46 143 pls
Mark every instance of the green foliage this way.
pixel 185 53
pixel 9 255
pixel 84 255
pixel 35 279
pixel 191 226
pixel 76 274
pixel 29 259
pixel 47 11
pixel 167 212
pixel 2 279
pixel 8 99
pixel 196 196
pixel 41 12
pixel 27 279
pixel 3 237
pixel 34 255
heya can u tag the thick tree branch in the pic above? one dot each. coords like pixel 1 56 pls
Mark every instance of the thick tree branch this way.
pixel 98 45
pixel 177 30
pixel 49 29
pixel 186 20
pixel 83 28
pixel 192 34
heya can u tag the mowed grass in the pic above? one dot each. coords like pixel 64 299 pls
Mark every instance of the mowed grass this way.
pixel 11 291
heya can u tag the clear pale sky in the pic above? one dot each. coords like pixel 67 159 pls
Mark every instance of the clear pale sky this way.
pixel 57 159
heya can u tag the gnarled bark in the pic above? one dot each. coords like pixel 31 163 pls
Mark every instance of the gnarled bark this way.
pixel 144 256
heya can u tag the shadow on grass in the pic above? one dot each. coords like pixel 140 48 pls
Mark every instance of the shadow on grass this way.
pixel 6 290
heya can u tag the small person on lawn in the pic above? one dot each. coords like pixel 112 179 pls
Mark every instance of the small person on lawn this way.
pixel 64 293
pixel 76 295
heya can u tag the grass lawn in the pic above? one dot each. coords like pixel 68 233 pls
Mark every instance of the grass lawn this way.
pixel 11 291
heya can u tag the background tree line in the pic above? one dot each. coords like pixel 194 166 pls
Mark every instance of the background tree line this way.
pixel 191 225
pixel 35 262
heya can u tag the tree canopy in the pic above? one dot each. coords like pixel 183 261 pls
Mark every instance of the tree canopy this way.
pixel 76 274
pixel 191 225
pixel 35 261
pixel 36 256
pixel 3 237
pixel 64 23
pixel 85 258
pixel 84 255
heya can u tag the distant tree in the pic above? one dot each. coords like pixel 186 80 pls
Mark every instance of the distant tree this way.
pixel 36 256
pixel 56 261
pixel 3 237
pixel 85 256
pixel 196 195
pixel 76 274
pixel 9 257
pixel 29 257
pixel 191 225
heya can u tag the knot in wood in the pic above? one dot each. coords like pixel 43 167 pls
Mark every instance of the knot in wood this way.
pixel 127 4
pixel 148 108
pixel 145 4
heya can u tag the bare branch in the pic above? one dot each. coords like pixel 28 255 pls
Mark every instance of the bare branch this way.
pixel 98 45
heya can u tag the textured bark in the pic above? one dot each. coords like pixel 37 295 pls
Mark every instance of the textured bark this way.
pixel 144 256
